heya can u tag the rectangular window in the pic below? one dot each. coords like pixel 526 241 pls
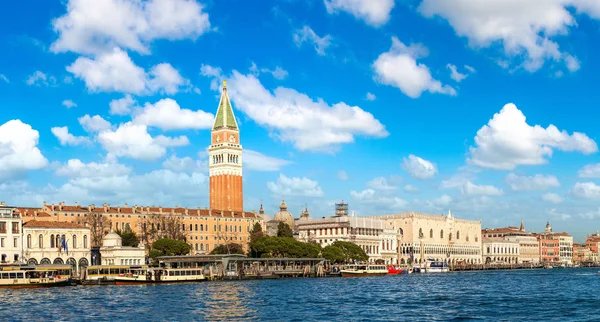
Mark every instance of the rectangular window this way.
pixel 15 228
pixel 16 243
pixel 2 242
pixel 2 227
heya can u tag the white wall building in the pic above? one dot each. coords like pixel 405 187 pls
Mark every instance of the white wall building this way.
pixel 565 242
pixel 114 253
pixel 529 248
pixel 10 235
pixel 500 251
pixel 43 243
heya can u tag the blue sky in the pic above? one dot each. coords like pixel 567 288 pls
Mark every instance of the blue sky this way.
pixel 487 108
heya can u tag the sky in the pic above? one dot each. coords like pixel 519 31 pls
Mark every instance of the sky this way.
pixel 485 108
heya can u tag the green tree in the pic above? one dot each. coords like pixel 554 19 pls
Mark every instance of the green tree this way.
pixel 351 251
pixel 128 236
pixel 283 247
pixel 284 230
pixel 228 249
pixel 256 232
pixel 333 254
pixel 170 247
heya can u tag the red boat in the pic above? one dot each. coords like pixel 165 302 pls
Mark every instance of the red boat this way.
pixel 394 270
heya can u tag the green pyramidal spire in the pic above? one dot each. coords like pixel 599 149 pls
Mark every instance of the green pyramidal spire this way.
pixel 224 117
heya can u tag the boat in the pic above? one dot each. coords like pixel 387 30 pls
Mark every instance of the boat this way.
pixel 364 270
pixel 548 266
pixel 394 270
pixel 29 276
pixel 431 266
pixel 136 276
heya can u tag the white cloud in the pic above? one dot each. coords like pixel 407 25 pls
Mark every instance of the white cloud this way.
pixel 295 187
pixel 4 78
pixel 166 114
pixel 525 29
pixel 410 188
pixel 311 125
pixel 590 171
pixel 370 96
pixel 398 67
pixel 18 149
pixel 441 202
pixel 40 79
pixel 381 183
pixel 185 164
pixel 122 106
pixel 471 189
pixel 536 182
pixel 372 198
pixel 115 72
pixel 134 141
pixel 418 167
pixel 470 69
pixel 342 175
pixel 552 197
pixel 65 138
pixel 278 72
pixel 69 104
pixel 508 141
pixel 586 190
pixel 373 12
pixel 306 34
pixel 93 124
pixel 454 74
pixel 76 169
pixel 98 26
pixel 257 161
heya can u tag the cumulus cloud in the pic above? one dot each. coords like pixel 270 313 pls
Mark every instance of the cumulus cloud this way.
pixel 114 71
pixel 133 141
pixel 278 72
pixel 590 171
pixel 536 182
pixel 381 183
pixel 376 200
pixel 370 96
pixel 39 78
pixel 440 202
pixel 456 75
pixel 65 138
pixel 410 188
pixel 398 67
pixel 93 124
pixel 254 160
pixel 75 168
pixel 372 12
pixel 185 164
pixel 552 197
pixel 525 29
pixel 418 167
pixel 586 190
pixel 508 141
pixel 166 114
pixel 471 189
pixel 69 104
pixel 122 106
pixel 311 125
pixel 307 35
pixel 18 149
pixel 295 186
pixel 98 26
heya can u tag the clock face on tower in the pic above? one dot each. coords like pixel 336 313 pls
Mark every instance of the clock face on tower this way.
pixel 232 139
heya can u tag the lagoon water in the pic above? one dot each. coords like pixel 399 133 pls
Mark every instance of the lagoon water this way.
pixel 559 294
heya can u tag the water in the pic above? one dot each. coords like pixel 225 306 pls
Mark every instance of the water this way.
pixel 559 294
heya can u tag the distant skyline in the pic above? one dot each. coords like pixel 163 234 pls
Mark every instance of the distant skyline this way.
pixel 486 108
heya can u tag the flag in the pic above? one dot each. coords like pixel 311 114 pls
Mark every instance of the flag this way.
pixel 64 244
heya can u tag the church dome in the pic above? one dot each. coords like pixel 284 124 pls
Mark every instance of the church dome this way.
pixel 283 215
pixel 112 239
pixel 305 215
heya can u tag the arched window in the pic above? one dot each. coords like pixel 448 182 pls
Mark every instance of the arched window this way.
pixel 74 241
pixel 51 242
pixel 457 235
pixel 29 241
pixel 85 241
pixel 57 241
pixel 202 227
pixel 401 232
pixel 467 237
pixel 442 233
pixel 431 233
pixel 420 232
pixel 196 227
pixel 41 241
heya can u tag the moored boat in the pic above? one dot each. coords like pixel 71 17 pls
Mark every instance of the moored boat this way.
pixel 159 276
pixel 394 270
pixel 548 266
pixel 16 276
pixel 431 266
pixel 364 270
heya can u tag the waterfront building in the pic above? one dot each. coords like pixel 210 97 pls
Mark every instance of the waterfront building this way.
pixel 10 235
pixel 529 247
pixel 225 158
pixel 440 237
pixel 47 242
pixel 584 254
pixel 114 253
pixel 593 242
pixel 365 232
pixel 500 251
pixel 555 247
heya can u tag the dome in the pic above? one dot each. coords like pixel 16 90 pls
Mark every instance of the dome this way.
pixel 283 215
pixel 305 215
pixel 112 239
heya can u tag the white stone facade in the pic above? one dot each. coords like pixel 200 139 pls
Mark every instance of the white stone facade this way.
pixel 565 243
pixel 114 253
pixel 529 248
pixel 500 251
pixel 10 236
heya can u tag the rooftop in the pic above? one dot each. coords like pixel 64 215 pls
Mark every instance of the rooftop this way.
pixel 52 224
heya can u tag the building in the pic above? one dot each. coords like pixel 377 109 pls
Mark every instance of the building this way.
pixel 47 242
pixel 225 159
pixel 583 254
pixel 10 235
pixel 363 231
pixel 438 237
pixel 555 247
pixel 500 251
pixel 114 253
pixel 593 242
pixel 529 249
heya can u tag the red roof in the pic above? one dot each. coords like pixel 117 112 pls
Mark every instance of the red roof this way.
pixel 51 224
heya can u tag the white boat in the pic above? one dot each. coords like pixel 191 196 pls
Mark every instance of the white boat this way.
pixel 431 266
pixel 17 276
pixel 548 266
pixel 156 275
pixel 364 270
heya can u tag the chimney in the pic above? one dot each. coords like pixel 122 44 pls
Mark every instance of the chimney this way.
pixel 76 204
pixel 2 203
pixel 126 205
pixel 186 211
pixel 160 209
pixel 44 204
pixel 118 209
pixel 52 207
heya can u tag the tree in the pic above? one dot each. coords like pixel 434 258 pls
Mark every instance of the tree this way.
pixel 333 254
pixel 284 230
pixel 158 226
pixel 128 236
pixel 351 251
pixel 99 226
pixel 228 249
pixel 283 247
pixel 170 247
pixel 256 232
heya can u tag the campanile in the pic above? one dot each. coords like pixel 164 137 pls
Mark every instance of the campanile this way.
pixel 225 157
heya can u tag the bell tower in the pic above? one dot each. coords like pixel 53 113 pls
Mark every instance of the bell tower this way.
pixel 225 157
